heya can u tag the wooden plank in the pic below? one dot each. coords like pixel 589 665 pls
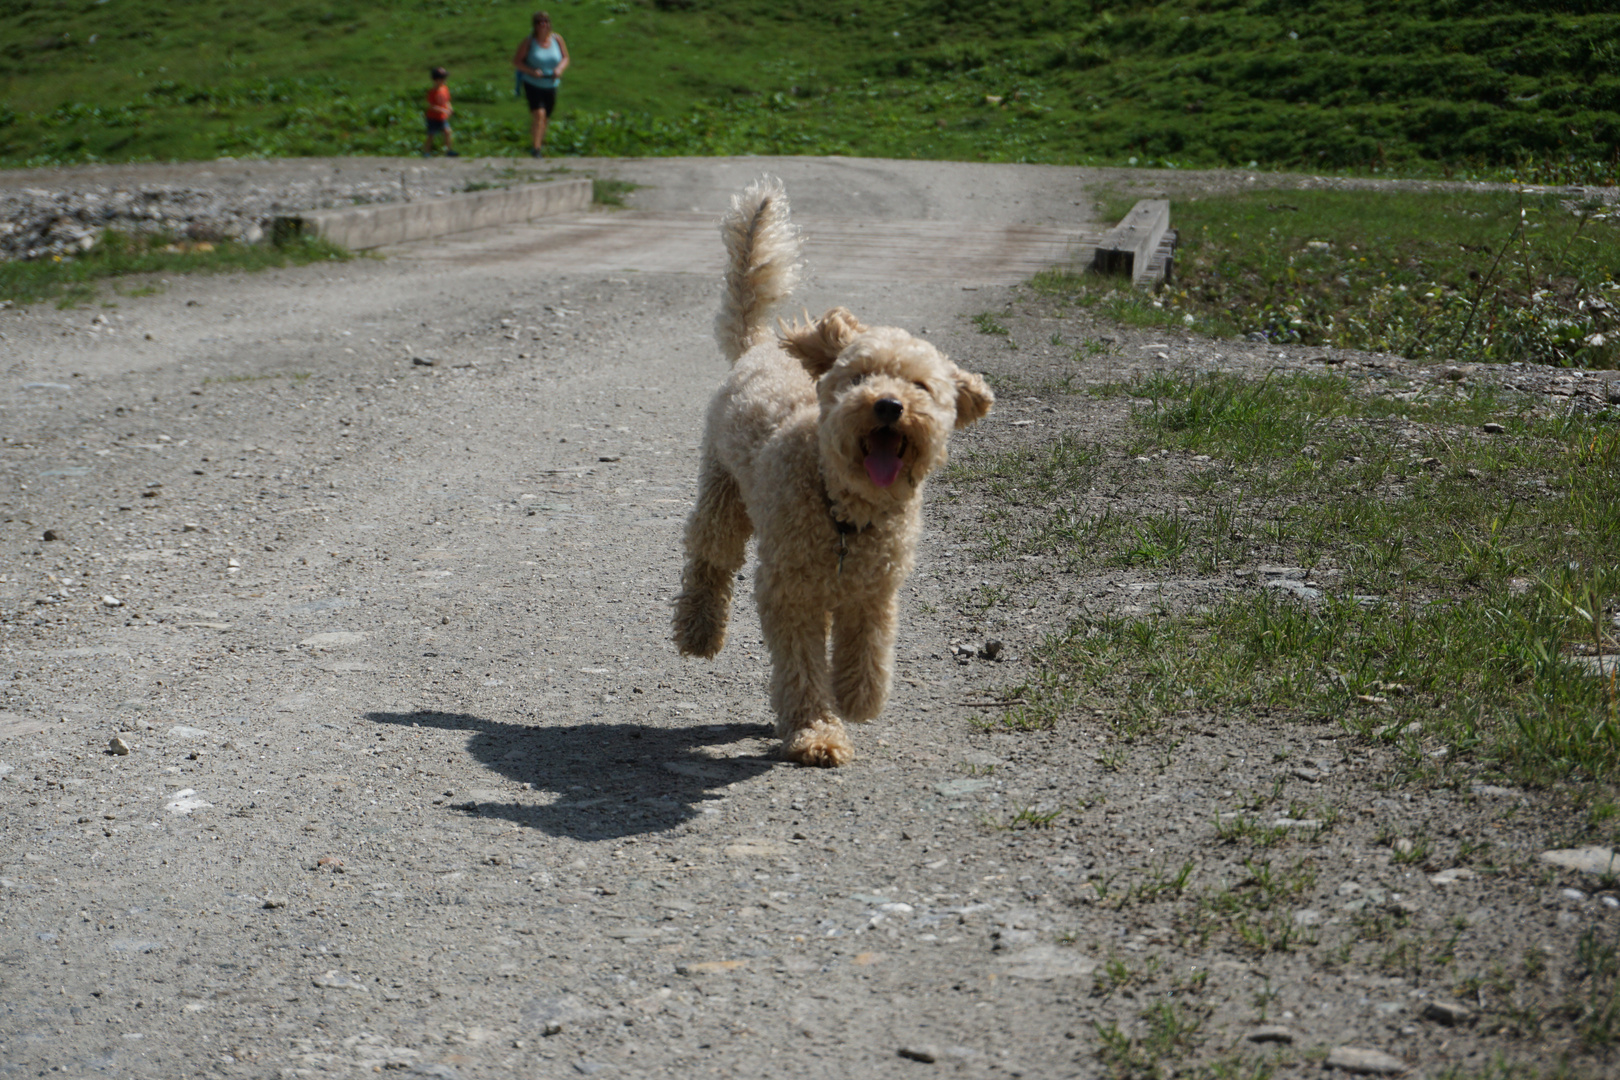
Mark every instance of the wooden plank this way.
pixel 1131 245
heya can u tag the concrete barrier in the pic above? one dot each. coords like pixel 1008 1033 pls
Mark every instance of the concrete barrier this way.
pixel 1132 247
pixel 379 224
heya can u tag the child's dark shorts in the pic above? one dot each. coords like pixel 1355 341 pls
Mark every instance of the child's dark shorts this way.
pixel 541 97
pixel 437 127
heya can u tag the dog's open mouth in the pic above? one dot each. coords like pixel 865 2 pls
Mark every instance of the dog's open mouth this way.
pixel 884 448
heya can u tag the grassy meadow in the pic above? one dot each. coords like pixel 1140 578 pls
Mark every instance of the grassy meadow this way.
pixel 1463 580
pixel 1427 87
pixel 1454 276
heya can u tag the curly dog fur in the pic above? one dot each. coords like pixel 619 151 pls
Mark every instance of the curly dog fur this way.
pixel 819 442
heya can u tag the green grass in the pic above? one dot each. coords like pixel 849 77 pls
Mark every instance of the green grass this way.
pixel 1527 88
pixel 71 280
pixel 1462 575
pixel 610 192
pixel 987 323
pixel 1453 277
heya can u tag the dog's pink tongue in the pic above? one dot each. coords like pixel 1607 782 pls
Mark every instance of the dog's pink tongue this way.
pixel 883 457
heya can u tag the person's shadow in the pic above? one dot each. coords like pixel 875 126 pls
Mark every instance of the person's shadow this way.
pixel 610 780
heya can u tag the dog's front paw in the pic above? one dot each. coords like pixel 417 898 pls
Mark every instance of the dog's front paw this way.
pixel 860 695
pixel 824 745
pixel 700 623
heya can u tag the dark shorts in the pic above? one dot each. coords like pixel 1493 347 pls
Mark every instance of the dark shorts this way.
pixel 541 97
pixel 437 127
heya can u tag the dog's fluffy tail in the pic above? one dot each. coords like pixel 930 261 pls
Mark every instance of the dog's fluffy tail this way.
pixel 762 265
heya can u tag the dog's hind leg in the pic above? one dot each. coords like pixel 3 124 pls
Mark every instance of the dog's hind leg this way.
pixel 863 657
pixel 716 540
pixel 797 637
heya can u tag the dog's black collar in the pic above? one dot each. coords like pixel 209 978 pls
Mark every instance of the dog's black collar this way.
pixel 845 529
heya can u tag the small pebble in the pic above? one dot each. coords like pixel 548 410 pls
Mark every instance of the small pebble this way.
pixel 118 746
pixel 1492 428
pixel 926 1054
pixel 1271 1033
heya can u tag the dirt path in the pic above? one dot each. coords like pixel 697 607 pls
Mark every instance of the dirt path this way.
pixel 369 566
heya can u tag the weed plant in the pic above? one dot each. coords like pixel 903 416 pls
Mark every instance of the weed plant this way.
pixel 1464 581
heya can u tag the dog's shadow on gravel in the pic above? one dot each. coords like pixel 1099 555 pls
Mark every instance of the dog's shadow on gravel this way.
pixel 595 781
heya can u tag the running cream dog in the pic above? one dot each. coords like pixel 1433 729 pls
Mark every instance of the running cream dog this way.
pixel 819 442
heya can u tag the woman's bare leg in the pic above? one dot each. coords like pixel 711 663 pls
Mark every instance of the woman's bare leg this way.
pixel 537 130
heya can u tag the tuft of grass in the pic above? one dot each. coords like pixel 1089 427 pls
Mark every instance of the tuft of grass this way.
pixel 1256 912
pixel 73 280
pixel 610 192
pixel 1168 1033
pixel 1593 1003
pixel 987 323
pixel 1030 817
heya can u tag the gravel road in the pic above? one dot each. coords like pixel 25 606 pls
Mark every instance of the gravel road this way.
pixel 367 567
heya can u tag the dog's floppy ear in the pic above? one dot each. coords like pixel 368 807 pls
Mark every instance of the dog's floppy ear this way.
pixel 818 342
pixel 973 398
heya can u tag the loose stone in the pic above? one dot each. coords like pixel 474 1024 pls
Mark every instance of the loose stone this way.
pixel 1448 1013
pixel 1370 1062
pixel 1588 860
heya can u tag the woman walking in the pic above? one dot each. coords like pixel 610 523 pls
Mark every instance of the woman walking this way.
pixel 540 62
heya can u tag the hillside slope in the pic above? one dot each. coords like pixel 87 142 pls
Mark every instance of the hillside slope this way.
pixel 1331 84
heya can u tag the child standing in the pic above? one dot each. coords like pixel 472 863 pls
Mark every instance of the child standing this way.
pixel 438 113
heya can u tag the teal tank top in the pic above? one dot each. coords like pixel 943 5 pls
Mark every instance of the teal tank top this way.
pixel 545 58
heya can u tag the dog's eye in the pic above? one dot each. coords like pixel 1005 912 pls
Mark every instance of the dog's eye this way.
pixel 923 387
pixel 857 378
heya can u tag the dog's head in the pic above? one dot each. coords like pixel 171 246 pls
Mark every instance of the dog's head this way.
pixel 888 406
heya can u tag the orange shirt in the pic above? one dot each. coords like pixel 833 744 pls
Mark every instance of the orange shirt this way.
pixel 438 107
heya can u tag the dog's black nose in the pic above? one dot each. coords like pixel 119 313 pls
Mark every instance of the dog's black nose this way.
pixel 888 409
